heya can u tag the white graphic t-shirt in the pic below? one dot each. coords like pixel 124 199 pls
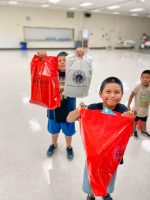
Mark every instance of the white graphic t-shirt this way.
pixel 142 100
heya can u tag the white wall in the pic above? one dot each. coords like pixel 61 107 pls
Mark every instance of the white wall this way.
pixel 13 19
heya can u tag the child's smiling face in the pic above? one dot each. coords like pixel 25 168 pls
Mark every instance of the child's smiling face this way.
pixel 111 95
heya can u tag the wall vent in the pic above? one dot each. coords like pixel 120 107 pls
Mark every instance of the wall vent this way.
pixel 70 14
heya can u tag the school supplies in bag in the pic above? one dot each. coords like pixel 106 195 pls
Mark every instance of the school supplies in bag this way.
pixel 78 76
pixel 105 137
pixel 45 82
pixel 108 111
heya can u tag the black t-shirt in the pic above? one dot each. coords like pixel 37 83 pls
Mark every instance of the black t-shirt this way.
pixel 67 104
pixel 99 106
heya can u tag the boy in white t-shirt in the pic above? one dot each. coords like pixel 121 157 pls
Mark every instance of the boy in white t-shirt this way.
pixel 141 94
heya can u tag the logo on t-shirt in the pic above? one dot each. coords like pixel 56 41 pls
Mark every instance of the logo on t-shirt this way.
pixel 78 77
pixel 144 99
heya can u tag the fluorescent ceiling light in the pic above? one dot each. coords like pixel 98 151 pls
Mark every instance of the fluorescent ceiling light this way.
pixel 54 1
pixel 86 4
pixel 44 5
pixel 113 7
pixel 116 13
pixel 134 14
pixel 95 10
pixel 72 8
pixel 13 2
pixel 136 9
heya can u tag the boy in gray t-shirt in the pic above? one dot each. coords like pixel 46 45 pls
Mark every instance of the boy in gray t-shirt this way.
pixel 141 95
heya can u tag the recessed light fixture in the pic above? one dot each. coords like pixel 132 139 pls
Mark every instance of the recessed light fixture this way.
pixel 113 7
pixel 134 14
pixel 95 10
pixel 136 9
pixel 72 8
pixel 54 1
pixel 86 4
pixel 116 13
pixel 13 2
pixel 44 5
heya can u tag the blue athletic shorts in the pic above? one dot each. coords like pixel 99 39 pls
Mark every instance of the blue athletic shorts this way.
pixel 67 128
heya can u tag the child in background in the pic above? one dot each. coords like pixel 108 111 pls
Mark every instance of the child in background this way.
pixel 111 92
pixel 57 117
pixel 141 95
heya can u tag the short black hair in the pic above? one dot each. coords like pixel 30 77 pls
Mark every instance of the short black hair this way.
pixel 111 79
pixel 62 53
pixel 145 72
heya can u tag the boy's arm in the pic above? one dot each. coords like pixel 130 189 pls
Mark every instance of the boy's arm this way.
pixel 129 114
pixel 130 99
pixel 75 114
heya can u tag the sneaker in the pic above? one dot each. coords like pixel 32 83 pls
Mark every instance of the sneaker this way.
pixel 108 197
pixel 90 198
pixel 51 149
pixel 145 133
pixel 135 134
pixel 70 153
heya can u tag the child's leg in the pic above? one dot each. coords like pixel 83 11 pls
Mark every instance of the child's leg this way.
pixel 86 184
pixel 68 140
pixel 143 126
pixel 69 149
pixel 54 129
pixel 54 139
pixel 69 130
pixel 111 185
pixel 53 145
pixel 134 125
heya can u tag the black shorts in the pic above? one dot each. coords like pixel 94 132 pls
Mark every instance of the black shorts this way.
pixel 143 119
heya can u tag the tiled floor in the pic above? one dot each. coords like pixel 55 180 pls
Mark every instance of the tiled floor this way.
pixel 25 171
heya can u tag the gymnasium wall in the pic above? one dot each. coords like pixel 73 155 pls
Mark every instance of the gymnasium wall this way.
pixel 104 30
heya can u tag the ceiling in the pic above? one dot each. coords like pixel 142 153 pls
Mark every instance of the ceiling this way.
pixel 99 6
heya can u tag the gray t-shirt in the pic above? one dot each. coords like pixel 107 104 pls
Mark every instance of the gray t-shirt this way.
pixel 142 100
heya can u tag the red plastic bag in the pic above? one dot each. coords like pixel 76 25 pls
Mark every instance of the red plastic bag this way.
pixel 105 138
pixel 45 89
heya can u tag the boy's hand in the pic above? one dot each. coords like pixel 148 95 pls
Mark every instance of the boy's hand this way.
pixel 81 105
pixel 75 114
pixel 79 52
pixel 128 114
pixel 41 54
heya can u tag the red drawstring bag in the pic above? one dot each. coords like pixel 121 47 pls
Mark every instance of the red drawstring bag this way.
pixel 45 89
pixel 105 138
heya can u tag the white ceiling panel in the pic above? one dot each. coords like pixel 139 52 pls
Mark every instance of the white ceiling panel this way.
pixel 99 5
